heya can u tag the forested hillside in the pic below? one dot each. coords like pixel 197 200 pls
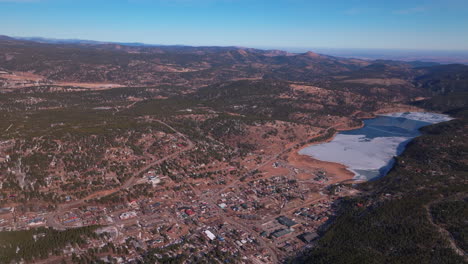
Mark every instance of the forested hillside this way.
pixel 417 213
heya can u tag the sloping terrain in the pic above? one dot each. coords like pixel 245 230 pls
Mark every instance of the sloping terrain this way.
pixel 391 223
pixel 160 144
pixel 136 65
pixel 415 213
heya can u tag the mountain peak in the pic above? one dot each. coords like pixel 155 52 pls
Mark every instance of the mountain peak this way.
pixel 3 37
pixel 312 54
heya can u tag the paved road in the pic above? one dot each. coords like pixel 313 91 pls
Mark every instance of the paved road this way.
pixel 243 226
pixel 270 160
pixel 51 219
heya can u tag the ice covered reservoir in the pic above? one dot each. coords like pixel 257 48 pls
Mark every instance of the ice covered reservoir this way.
pixel 368 152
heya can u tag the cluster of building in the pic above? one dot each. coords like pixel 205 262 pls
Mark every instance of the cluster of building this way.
pixel 200 202
pixel 317 212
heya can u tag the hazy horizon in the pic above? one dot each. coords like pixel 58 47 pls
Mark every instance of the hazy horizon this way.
pixel 284 48
pixel 440 56
pixel 421 24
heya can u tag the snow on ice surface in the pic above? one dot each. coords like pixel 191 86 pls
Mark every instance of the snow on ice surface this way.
pixel 368 152
pixel 432 118
pixel 356 151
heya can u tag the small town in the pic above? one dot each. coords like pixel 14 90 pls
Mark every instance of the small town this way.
pixel 233 132
pixel 275 212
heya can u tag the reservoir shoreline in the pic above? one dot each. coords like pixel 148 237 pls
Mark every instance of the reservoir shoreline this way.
pixel 367 151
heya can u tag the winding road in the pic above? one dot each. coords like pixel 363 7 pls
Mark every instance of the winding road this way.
pixel 51 219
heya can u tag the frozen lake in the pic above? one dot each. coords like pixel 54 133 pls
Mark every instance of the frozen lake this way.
pixel 368 152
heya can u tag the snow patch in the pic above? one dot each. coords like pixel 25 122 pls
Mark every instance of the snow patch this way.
pixel 432 118
pixel 357 151
pixel 368 152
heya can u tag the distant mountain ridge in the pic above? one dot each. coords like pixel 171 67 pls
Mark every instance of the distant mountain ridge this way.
pixel 195 67
pixel 130 65
pixel 82 41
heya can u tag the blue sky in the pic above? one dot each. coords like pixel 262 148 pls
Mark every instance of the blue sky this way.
pixel 396 24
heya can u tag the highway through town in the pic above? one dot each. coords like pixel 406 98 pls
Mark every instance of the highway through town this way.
pixel 51 218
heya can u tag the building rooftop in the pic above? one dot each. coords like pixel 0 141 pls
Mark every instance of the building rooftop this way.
pixel 286 221
pixel 281 232
pixel 308 237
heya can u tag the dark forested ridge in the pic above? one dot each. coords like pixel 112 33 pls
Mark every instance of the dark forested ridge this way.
pixel 415 214
pixel 32 244
pixel 444 79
